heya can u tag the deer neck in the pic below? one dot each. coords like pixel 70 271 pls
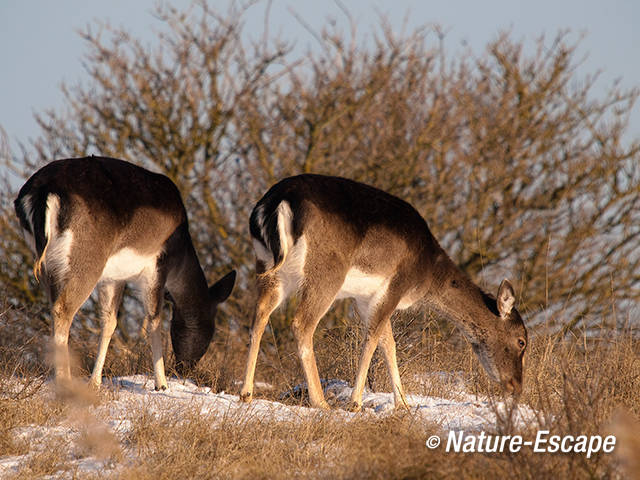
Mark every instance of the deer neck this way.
pixel 455 295
pixel 188 287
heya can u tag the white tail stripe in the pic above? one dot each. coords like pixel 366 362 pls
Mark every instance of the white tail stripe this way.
pixel 284 224
pixel 285 218
pixel 51 215
pixel 50 227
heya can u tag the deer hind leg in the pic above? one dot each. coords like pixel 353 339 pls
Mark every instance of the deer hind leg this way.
pixel 374 332
pixel 388 346
pixel 314 303
pixel 269 297
pixel 109 299
pixel 67 300
pixel 69 280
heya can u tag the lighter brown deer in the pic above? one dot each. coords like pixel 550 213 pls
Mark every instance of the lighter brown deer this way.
pixel 325 238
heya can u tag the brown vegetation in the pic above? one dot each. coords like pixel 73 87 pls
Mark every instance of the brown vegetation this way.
pixel 575 388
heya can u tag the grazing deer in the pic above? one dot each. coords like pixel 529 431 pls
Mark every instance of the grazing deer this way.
pixel 101 221
pixel 325 238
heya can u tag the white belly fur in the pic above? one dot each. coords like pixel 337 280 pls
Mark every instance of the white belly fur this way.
pixel 127 264
pixel 366 289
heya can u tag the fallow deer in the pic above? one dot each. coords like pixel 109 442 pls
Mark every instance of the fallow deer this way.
pixel 102 221
pixel 324 238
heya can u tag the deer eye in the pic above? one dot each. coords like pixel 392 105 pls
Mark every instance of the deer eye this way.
pixel 522 343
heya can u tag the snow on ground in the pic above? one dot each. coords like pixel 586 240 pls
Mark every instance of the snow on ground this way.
pixel 128 396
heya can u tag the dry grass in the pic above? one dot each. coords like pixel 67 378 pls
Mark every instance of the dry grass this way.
pixel 578 387
pixel 237 447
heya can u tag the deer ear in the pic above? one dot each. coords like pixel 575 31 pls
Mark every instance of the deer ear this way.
pixel 506 298
pixel 221 290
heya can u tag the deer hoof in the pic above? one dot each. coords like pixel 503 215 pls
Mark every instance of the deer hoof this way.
pixel 322 405
pixel 161 388
pixel 354 407
pixel 246 397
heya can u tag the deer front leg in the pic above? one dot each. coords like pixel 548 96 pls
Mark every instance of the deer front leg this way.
pixel 155 334
pixel 388 345
pixel 375 329
pixel 370 344
pixel 153 306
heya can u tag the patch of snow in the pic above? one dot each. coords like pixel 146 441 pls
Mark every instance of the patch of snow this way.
pixel 256 385
pixel 11 464
pixel 126 396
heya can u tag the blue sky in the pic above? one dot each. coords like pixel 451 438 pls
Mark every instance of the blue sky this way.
pixel 40 47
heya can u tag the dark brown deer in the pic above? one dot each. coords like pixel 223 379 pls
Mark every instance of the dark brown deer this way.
pixel 104 222
pixel 325 238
